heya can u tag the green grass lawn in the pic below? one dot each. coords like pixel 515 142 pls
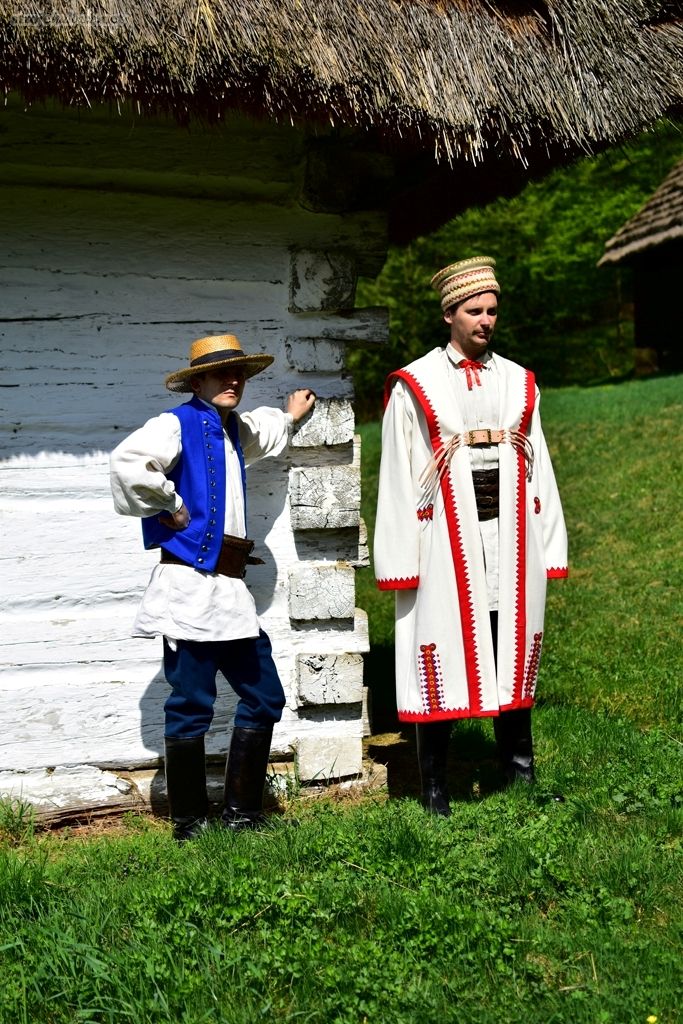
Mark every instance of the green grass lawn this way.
pixel 518 909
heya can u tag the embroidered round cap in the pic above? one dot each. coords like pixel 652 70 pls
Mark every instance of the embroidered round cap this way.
pixel 213 353
pixel 459 280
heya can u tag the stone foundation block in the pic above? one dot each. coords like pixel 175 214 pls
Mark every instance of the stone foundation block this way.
pixel 320 759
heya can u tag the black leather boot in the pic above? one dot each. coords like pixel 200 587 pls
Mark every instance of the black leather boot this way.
pixel 245 777
pixel 186 786
pixel 432 758
pixel 512 730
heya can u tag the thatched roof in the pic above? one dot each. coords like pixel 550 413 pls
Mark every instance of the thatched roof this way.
pixel 455 79
pixel 658 221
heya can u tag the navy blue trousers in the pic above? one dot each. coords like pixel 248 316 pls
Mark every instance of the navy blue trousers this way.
pixel 248 666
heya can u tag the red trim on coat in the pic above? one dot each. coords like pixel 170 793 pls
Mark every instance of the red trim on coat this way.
pixel 440 716
pixel 529 401
pixel 520 552
pixel 407 583
pixel 557 574
pixel 459 713
pixel 525 702
pixel 474 684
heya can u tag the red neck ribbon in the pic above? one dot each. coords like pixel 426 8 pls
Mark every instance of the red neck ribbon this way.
pixel 471 368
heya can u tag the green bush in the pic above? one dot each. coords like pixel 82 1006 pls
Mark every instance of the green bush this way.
pixel 561 315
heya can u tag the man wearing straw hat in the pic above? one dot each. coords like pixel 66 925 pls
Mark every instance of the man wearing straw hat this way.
pixel 469 528
pixel 183 472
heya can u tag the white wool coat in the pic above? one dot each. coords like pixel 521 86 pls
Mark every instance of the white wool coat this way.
pixel 428 547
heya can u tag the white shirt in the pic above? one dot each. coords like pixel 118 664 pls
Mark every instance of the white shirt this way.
pixel 479 407
pixel 181 603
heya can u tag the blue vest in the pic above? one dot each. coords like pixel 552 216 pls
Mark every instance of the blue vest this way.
pixel 199 477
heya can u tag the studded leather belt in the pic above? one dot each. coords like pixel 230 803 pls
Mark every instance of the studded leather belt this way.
pixel 485 436
pixel 486 492
pixel 234 557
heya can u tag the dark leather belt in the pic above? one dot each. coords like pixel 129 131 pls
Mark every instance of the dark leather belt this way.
pixel 486 492
pixel 232 560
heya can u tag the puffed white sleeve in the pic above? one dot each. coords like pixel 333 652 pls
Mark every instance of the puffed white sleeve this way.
pixel 264 431
pixel 396 544
pixel 552 516
pixel 138 468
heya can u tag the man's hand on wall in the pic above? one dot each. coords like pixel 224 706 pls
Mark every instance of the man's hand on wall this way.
pixel 300 402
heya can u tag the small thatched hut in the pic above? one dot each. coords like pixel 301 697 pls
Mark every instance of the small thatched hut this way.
pixel 176 167
pixel 651 244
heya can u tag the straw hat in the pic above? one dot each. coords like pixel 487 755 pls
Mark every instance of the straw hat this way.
pixel 213 353
pixel 458 281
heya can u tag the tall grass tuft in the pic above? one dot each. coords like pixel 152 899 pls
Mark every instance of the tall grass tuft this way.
pixel 17 820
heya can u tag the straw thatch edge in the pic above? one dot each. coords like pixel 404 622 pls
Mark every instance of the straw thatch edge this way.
pixel 658 222
pixel 459 79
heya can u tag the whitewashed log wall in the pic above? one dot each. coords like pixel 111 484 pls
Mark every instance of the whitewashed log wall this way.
pixel 110 267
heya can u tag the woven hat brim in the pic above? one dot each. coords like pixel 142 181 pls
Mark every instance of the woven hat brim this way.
pixel 180 380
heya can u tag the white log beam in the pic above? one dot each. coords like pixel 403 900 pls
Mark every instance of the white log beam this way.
pixel 329 679
pixel 332 422
pixel 321 280
pixel 321 592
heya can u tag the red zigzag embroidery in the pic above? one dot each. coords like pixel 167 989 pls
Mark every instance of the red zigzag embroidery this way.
pixel 520 553
pixel 474 683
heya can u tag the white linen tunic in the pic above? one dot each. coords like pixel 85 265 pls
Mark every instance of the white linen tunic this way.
pixel 479 405
pixel 431 548
pixel 181 603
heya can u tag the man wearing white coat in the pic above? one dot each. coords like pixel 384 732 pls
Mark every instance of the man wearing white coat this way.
pixel 469 528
